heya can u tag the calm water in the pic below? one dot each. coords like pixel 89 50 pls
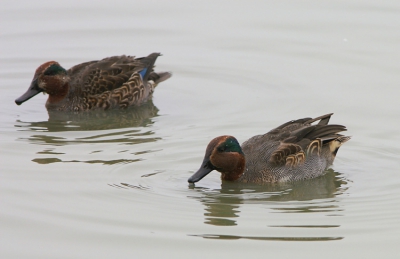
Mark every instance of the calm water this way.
pixel 114 184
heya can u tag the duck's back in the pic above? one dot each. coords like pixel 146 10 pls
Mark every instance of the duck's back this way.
pixel 293 151
pixel 96 77
pixel 118 81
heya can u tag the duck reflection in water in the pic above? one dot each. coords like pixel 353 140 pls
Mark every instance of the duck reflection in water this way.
pixel 222 206
pixel 134 121
pixel 95 120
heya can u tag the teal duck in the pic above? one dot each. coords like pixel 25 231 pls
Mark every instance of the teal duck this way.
pixel 296 150
pixel 113 82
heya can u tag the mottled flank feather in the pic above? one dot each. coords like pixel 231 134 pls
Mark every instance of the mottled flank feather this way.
pixel 295 150
pixel 114 82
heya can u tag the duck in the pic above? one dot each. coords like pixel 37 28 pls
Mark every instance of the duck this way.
pixel 296 150
pixel 113 82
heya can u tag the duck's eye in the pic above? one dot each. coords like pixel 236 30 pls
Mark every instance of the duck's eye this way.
pixel 50 72
pixel 221 149
pixel 54 70
pixel 229 146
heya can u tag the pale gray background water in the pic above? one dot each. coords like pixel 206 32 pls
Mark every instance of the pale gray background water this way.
pixel 115 186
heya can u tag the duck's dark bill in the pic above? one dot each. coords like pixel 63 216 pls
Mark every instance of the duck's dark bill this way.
pixel 204 170
pixel 32 91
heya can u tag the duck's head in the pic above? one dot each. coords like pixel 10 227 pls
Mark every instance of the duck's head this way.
pixel 225 155
pixel 50 78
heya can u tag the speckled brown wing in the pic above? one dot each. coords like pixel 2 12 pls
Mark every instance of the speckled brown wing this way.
pixel 118 81
pixel 299 139
pixel 132 92
pixel 97 77
pixel 288 154
pixel 290 143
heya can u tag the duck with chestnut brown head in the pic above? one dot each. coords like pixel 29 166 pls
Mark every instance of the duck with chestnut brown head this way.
pixel 114 82
pixel 296 150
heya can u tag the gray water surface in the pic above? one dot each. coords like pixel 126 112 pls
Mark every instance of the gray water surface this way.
pixel 114 184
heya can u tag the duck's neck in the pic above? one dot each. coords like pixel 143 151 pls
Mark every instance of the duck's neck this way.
pixel 236 173
pixel 58 94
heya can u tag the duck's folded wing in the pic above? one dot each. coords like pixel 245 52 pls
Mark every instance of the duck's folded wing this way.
pixel 97 77
pixel 288 154
pixel 307 140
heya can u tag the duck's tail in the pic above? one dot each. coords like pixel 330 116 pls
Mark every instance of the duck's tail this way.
pixel 147 72
pixel 159 77
pixel 148 63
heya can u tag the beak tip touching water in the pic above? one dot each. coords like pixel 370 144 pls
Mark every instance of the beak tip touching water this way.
pixel 203 171
pixel 191 180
